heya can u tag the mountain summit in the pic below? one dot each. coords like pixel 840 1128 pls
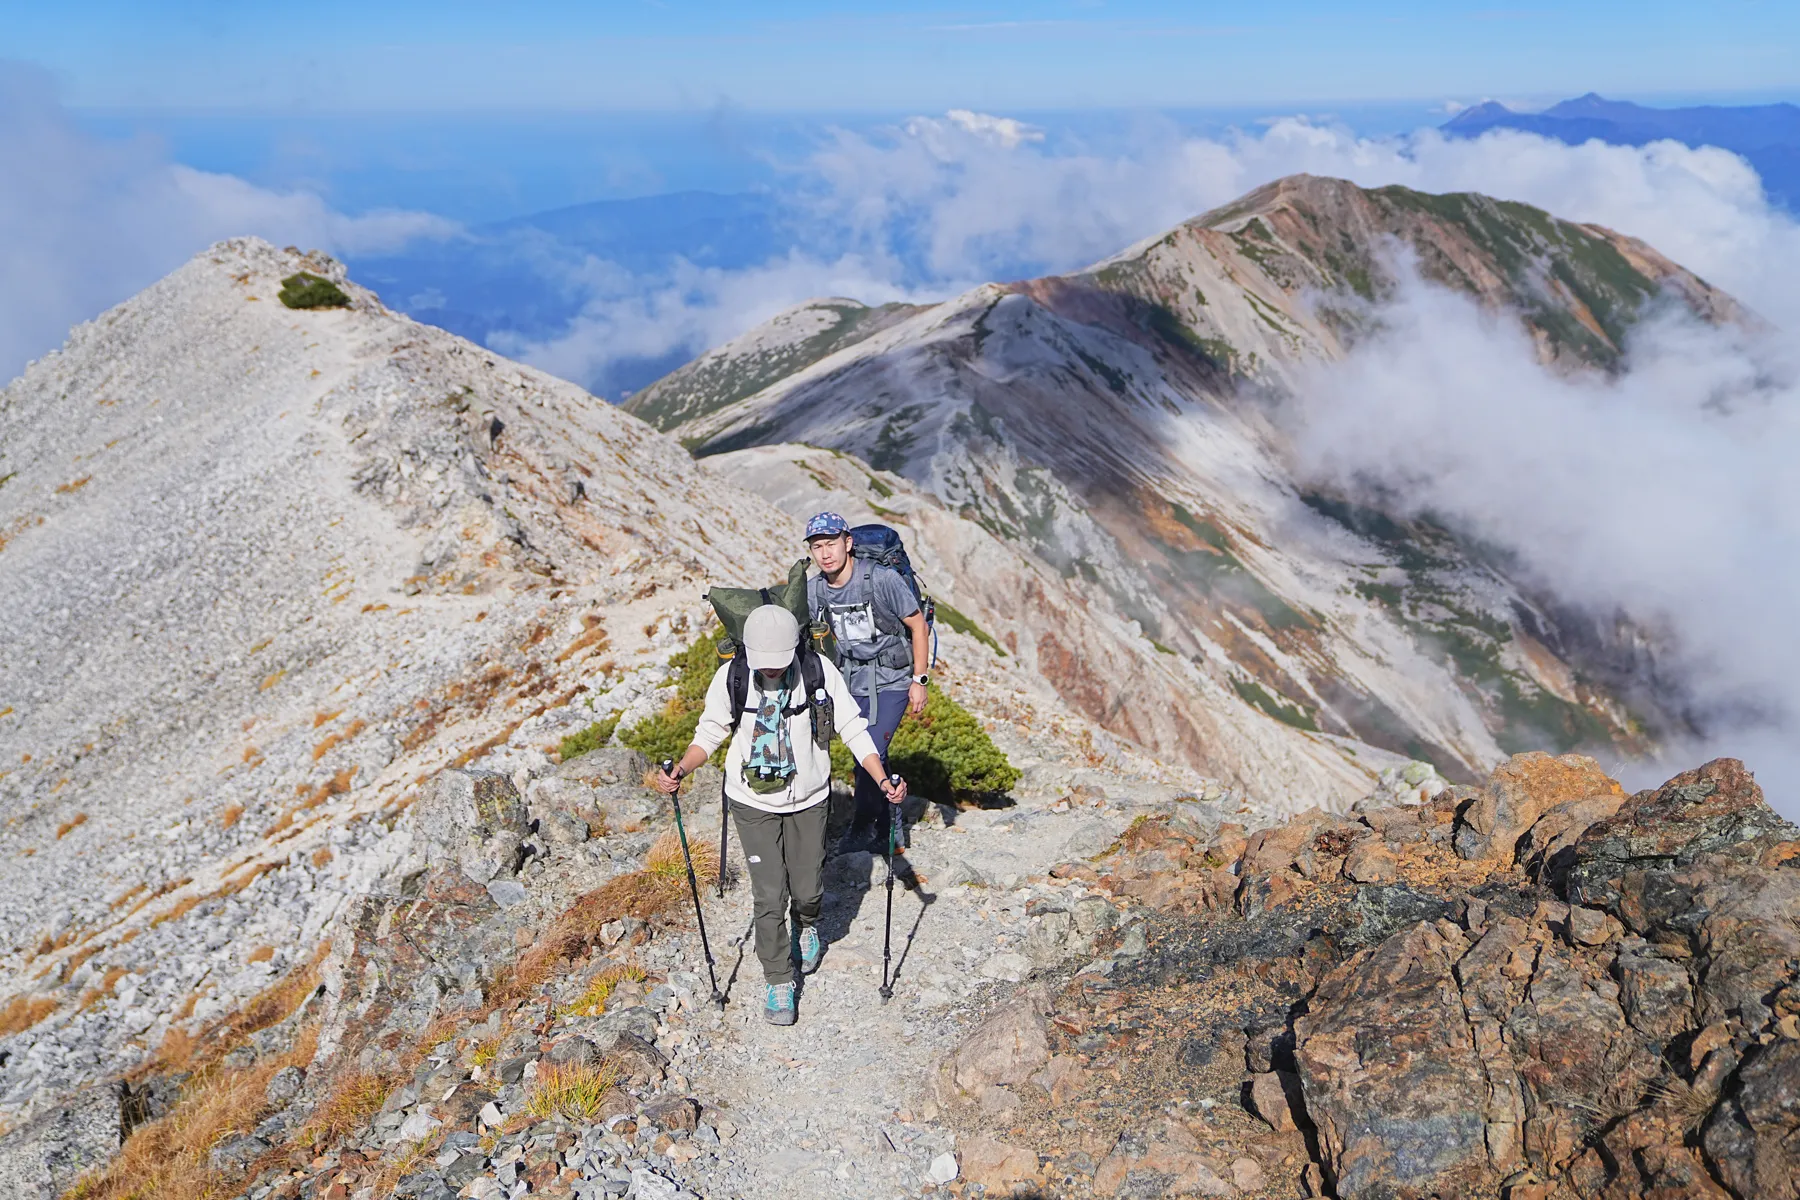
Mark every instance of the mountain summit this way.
pixel 1108 428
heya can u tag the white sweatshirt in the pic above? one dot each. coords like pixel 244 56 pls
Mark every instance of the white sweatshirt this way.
pixel 812 773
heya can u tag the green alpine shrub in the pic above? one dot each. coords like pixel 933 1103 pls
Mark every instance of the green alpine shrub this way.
pixel 306 290
pixel 944 752
pixel 669 733
pixel 591 738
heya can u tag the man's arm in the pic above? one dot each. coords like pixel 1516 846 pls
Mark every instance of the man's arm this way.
pixel 921 657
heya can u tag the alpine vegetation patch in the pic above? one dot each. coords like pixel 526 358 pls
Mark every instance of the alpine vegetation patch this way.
pixel 306 290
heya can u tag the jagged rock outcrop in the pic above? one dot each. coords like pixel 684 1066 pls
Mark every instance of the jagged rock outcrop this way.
pixel 1626 1026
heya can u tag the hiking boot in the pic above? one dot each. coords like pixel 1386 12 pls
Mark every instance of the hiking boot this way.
pixel 779 1010
pixel 812 949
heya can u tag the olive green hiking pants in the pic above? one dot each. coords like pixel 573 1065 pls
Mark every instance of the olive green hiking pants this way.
pixel 786 856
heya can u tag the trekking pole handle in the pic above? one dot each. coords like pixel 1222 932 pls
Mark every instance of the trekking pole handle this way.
pixel 668 768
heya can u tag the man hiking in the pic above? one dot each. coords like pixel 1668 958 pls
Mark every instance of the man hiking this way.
pixel 884 646
pixel 777 778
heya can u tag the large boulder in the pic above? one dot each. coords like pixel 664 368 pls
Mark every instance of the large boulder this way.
pixel 1005 1050
pixel 1391 1075
pixel 1635 864
pixel 1521 790
pixel 1753 1138
pixel 473 819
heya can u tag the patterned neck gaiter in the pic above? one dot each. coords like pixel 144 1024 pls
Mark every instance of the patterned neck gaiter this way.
pixel 770 764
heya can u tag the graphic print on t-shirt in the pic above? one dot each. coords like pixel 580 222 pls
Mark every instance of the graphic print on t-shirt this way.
pixel 853 622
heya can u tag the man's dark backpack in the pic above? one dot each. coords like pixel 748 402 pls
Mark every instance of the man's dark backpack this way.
pixel 883 546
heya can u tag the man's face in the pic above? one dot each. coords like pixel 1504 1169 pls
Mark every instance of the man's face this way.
pixel 829 553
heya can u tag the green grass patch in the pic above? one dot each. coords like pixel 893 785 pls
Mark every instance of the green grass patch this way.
pixel 1279 707
pixel 881 489
pixel 589 739
pixel 944 752
pixel 305 290
pixel 962 624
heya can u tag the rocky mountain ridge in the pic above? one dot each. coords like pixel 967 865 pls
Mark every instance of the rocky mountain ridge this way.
pixel 269 571
pixel 1113 428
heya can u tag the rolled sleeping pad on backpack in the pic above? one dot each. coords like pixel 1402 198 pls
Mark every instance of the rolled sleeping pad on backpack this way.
pixel 733 606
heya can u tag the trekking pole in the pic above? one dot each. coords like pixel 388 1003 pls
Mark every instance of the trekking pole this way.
pixel 724 826
pixel 668 768
pixel 887 936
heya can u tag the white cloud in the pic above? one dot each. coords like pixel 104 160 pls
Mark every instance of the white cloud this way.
pixel 691 308
pixel 1666 493
pixel 89 222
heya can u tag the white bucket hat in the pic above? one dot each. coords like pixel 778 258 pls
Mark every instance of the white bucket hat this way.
pixel 770 635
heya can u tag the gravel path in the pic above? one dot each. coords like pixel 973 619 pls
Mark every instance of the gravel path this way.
pixel 840 1104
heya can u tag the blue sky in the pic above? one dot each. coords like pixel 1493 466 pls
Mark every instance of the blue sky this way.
pixel 456 55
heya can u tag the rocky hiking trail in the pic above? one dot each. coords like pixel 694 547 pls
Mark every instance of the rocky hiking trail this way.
pixel 841 1103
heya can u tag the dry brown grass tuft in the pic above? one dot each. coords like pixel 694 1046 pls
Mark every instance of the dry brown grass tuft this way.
pixel 332 739
pixel 321 858
pixel 275 1003
pixel 22 1012
pixel 232 814
pixel 641 894
pixel 166 1159
pixel 592 1002
pixel 572 1091
pixel 261 954
pixel 183 907
pixel 355 1099
pixel 70 825
pixel 405 1161
pixel 594 636
pixel 665 859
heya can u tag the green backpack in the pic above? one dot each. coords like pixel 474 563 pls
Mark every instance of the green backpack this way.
pixel 734 606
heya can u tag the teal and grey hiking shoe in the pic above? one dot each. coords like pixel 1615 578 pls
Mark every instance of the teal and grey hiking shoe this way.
pixel 780 1007
pixel 811 950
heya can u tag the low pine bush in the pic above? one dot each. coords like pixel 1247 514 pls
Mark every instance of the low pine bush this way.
pixel 589 739
pixel 669 733
pixel 944 752
pixel 306 290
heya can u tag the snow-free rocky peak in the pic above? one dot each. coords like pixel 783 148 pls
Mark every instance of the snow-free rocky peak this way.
pixel 1110 427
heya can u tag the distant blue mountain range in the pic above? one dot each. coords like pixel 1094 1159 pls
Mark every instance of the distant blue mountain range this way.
pixel 531 275
pixel 1768 135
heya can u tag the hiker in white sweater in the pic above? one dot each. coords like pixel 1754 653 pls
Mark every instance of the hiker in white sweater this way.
pixel 780 707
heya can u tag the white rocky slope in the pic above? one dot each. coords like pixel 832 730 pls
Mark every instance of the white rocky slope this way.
pixel 1110 429
pixel 264 570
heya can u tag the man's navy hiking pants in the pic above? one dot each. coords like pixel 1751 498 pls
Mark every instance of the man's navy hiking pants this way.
pixel 871 809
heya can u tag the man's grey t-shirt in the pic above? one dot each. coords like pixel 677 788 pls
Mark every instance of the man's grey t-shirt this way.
pixel 891 596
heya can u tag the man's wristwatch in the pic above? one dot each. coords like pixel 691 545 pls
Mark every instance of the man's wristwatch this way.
pixel 921 680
